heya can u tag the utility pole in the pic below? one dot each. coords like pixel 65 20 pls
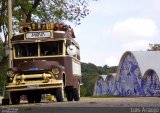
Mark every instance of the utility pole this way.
pixel 10 32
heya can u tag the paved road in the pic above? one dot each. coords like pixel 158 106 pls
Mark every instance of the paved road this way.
pixel 94 105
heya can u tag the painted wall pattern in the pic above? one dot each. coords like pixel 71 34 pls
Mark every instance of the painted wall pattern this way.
pixel 100 87
pixel 110 83
pixel 131 82
pixel 129 77
pixel 151 84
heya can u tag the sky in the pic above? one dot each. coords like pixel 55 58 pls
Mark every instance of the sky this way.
pixel 116 26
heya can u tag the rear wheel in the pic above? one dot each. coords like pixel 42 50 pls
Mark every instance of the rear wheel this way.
pixel 59 94
pixel 69 94
pixel 76 93
pixel 15 98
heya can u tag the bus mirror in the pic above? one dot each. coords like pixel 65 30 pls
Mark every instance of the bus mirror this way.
pixel 71 50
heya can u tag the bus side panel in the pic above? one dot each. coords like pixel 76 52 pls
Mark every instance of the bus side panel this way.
pixel 76 73
pixel 77 81
pixel 68 70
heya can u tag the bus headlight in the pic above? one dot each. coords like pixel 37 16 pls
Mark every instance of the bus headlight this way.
pixel 55 70
pixel 10 73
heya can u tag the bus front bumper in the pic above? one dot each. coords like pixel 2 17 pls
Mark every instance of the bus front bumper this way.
pixel 36 86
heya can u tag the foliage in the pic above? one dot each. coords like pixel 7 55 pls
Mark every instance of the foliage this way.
pixel 1 51
pixel 58 10
pixel 83 91
pixel 90 73
pixel 3 68
pixel 154 47
pixel 43 10
pixel 3 71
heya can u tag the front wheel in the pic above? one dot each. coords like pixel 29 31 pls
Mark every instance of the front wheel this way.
pixel 59 94
pixel 30 98
pixel 38 98
pixel 15 98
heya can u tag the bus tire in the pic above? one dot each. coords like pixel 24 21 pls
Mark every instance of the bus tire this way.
pixel 76 94
pixel 59 95
pixel 69 94
pixel 38 98
pixel 30 98
pixel 15 98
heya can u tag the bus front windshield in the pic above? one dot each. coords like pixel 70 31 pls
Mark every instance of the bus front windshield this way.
pixel 39 49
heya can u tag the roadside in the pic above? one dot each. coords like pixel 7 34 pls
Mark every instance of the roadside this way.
pixel 100 102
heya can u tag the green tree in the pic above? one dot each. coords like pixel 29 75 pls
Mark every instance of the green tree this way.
pixel 90 73
pixel 154 47
pixel 3 68
pixel 83 91
pixel 55 10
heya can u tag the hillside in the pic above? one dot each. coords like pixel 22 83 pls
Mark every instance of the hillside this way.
pixel 90 73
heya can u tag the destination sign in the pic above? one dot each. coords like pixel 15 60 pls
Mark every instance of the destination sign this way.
pixel 38 35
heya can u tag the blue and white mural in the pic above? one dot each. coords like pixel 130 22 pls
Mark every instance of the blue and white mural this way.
pixel 151 84
pixel 130 80
pixel 100 86
pixel 110 83
pixel 105 85
pixel 129 77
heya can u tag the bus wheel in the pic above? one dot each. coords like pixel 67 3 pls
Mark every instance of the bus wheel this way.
pixel 76 94
pixel 30 98
pixel 38 98
pixel 69 94
pixel 59 95
pixel 15 98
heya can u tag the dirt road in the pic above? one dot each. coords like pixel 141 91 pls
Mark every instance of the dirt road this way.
pixel 113 104
pixel 105 102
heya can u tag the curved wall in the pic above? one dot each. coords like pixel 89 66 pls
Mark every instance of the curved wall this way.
pixel 100 86
pixel 129 77
pixel 151 84
pixel 137 75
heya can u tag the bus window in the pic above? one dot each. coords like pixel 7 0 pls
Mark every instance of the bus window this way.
pixel 51 48
pixel 26 50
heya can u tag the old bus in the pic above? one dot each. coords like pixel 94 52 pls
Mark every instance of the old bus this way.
pixel 45 60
